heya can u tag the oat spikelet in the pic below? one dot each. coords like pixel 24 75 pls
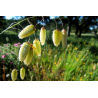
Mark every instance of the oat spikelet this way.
pixel 64 38
pixel 42 35
pixel 56 37
pixel 37 47
pixel 25 47
pixel 27 31
pixel 29 57
pixel 22 73
pixel 14 74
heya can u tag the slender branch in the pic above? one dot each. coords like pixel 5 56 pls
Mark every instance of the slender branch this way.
pixel 35 27
pixel 15 28
pixel 18 24
pixel 28 21
pixel 43 20
pixel 61 23
pixel 15 24
pixel 29 39
pixel 38 23
pixel 56 23
pixel 7 28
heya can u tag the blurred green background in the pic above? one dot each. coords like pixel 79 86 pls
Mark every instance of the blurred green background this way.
pixel 82 35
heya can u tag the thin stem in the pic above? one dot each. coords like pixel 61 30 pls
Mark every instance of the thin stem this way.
pixel 29 39
pixel 56 23
pixel 38 23
pixel 18 24
pixel 61 23
pixel 29 21
pixel 35 26
pixel 15 24
pixel 15 28
pixel 43 20
pixel 7 28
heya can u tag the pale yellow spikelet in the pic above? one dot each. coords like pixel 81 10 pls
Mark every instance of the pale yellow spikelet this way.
pixel 25 47
pixel 22 73
pixel 14 74
pixel 27 31
pixel 64 38
pixel 29 57
pixel 56 37
pixel 42 35
pixel 37 47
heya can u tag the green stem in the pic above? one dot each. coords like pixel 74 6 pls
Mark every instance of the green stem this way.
pixel 15 24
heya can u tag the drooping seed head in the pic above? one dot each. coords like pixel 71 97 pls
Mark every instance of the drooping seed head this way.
pixel 29 57
pixel 42 35
pixel 56 37
pixel 14 74
pixel 37 47
pixel 64 38
pixel 22 73
pixel 24 51
pixel 27 31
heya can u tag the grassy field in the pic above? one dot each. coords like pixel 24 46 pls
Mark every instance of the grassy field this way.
pixel 78 62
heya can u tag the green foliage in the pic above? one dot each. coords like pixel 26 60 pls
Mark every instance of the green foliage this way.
pixel 75 63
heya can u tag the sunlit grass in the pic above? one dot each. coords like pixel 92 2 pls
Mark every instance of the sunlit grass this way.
pixel 54 64
pixel 77 62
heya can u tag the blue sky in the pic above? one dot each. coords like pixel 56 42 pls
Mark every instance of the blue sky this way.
pixel 10 17
pixel 52 17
